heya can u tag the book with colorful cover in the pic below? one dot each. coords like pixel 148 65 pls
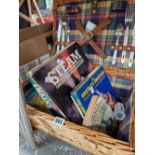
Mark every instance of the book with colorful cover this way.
pixel 99 114
pixel 96 83
pixel 32 98
pixel 55 78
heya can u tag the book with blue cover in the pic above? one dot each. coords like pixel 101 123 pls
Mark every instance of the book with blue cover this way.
pixel 96 83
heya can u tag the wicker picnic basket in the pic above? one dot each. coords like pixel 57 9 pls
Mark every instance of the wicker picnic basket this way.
pixel 84 138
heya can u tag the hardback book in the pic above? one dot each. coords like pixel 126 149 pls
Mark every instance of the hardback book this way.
pixel 96 83
pixel 99 114
pixel 56 78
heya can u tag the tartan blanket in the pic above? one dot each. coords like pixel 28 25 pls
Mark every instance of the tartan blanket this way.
pixel 105 39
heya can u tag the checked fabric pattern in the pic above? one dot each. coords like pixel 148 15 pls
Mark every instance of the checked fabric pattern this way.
pixel 105 39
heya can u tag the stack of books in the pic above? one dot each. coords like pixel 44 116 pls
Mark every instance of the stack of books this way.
pixel 70 85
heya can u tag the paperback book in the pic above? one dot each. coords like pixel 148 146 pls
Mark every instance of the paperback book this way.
pixel 99 114
pixel 32 98
pixel 96 83
pixel 56 78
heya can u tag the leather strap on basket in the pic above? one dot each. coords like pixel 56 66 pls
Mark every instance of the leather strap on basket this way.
pixel 87 37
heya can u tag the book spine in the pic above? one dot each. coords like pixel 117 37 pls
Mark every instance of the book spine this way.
pixel 78 104
pixel 81 113
pixel 45 97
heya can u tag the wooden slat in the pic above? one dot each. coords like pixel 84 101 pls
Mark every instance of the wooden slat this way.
pixel 29 9
pixel 33 48
pixel 79 136
pixel 27 18
pixel 21 3
pixel 30 32
pixel 38 11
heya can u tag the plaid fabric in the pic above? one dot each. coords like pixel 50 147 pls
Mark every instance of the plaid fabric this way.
pixel 104 39
pixel 125 125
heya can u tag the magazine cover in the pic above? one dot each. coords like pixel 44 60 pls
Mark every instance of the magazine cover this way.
pixel 99 114
pixel 57 77
pixel 32 98
pixel 96 83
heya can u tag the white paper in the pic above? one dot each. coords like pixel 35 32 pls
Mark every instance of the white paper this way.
pixel 90 26
pixel 59 34
pixel 58 121
pixel 114 57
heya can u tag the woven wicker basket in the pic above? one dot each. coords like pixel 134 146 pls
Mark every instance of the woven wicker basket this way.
pixel 79 136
